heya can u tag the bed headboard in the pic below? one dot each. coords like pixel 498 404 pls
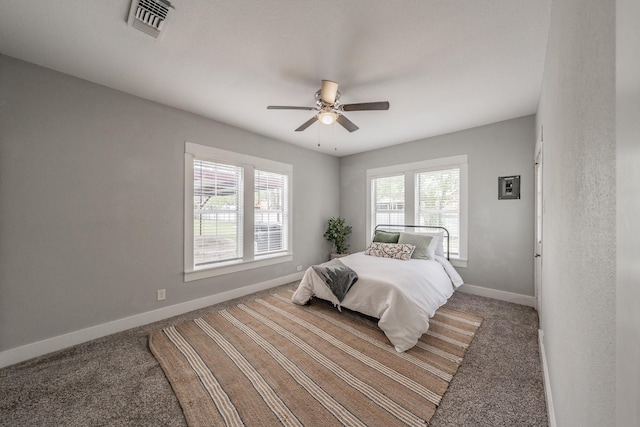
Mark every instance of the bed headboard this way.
pixel 412 228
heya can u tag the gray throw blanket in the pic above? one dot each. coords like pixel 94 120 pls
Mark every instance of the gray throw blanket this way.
pixel 337 276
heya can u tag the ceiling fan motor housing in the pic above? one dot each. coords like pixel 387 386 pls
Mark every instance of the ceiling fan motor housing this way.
pixel 321 104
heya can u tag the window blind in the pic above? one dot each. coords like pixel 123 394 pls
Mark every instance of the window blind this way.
pixel 271 212
pixel 217 212
pixel 438 202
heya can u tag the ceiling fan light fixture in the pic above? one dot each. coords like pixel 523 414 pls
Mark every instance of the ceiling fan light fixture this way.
pixel 327 116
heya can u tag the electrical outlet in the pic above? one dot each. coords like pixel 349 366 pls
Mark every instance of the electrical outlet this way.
pixel 299 268
pixel 162 294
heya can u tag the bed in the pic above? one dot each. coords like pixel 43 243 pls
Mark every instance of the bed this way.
pixel 402 292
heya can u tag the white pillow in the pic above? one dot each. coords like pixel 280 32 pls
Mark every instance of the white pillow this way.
pixel 433 246
pixel 437 243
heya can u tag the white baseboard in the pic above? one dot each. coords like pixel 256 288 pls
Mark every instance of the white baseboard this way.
pixel 547 382
pixel 499 295
pixel 29 351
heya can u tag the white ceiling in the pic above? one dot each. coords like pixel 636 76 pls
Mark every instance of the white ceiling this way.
pixel 444 65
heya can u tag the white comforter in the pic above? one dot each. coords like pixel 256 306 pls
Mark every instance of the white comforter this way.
pixel 403 295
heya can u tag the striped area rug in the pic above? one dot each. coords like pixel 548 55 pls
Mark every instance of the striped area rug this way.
pixel 270 362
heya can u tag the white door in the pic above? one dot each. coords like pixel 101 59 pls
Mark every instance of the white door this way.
pixel 539 206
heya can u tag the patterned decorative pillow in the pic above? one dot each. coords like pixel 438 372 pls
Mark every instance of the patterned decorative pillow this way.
pixel 390 250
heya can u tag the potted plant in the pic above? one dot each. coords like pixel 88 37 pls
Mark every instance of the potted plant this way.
pixel 337 233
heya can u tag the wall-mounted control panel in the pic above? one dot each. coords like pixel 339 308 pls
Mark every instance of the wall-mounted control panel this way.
pixel 509 187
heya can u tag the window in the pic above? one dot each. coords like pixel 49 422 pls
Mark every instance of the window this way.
pixel 217 212
pixel 431 192
pixel 236 212
pixel 388 196
pixel 271 213
pixel 438 203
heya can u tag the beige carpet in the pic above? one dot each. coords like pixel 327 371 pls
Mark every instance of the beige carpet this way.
pixel 270 362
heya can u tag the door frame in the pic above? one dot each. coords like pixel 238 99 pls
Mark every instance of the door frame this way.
pixel 538 236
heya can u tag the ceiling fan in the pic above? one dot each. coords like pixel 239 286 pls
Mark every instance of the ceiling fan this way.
pixel 329 108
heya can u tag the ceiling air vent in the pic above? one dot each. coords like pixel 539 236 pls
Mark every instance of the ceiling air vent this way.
pixel 150 16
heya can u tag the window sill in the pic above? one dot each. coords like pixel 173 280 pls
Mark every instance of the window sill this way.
pixel 456 262
pixel 236 266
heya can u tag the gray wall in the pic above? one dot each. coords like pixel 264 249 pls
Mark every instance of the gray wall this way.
pixel 628 212
pixel 500 231
pixel 91 203
pixel 577 110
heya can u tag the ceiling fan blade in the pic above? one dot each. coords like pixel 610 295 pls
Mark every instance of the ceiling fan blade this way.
pixel 286 107
pixel 308 123
pixel 347 124
pixel 328 92
pixel 366 106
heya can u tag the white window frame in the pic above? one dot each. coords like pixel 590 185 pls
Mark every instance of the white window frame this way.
pixel 410 170
pixel 249 164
